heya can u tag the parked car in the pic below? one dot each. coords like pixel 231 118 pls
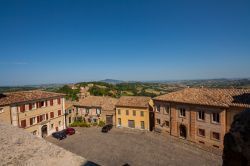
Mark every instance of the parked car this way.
pixel 70 131
pixel 106 128
pixel 59 135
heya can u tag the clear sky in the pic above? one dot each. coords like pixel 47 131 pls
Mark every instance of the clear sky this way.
pixel 57 41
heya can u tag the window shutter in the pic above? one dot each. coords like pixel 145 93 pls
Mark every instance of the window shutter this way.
pixel 37 104
pixel 31 122
pixel 51 102
pixel 30 106
pixel 46 103
pixel 47 116
pixel 52 115
pixel 59 113
pixel 41 118
pixel 22 108
pixel 38 119
pixel 59 100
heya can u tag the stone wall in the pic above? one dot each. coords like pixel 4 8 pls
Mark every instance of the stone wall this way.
pixel 19 147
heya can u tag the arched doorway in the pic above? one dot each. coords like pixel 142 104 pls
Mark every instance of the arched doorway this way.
pixel 183 131
pixel 44 131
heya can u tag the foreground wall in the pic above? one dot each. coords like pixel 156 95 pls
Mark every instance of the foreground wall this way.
pixel 19 147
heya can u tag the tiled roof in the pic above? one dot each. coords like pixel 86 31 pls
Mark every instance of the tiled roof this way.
pixel 24 96
pixel 105 102
pixel 209 96
pixel 68 104
pixel 134 101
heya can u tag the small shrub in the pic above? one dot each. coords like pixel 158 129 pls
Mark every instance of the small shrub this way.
pixel 101 123
pixel 94 124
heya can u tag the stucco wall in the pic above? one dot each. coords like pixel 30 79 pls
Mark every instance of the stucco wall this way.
pixel 5 115
pixel 138 118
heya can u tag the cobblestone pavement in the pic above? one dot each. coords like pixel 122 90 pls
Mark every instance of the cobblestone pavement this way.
pixel 137 148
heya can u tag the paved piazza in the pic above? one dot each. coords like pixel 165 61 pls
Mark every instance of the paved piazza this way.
pixel 136 148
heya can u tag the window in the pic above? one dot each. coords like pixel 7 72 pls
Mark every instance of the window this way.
pixel 167 108
pixel 215 135
pixel 59 123
pixel 119 122
pixel 201 132
pixel 22 108
pixel 158 108
pixel 42 117
pixel 70 111
pixel 167 123
pixel 142 125
pixel 42 104
pixel 59 112
pixel 134 113
pixel 119 112
pixel 51 114
pixel 52 126
pixel 142 113
pixel 51 102
pixel 87 111
pixel 1 110
pixel 23 123
pixel 201 115
pixel 182 112
pixel 69 119
pixel 158 121
pixel 127 112
pixel 33 106
pixel 32 120
pixel 47 116
pixel 59 101
pixel 98 111
pixel 216 118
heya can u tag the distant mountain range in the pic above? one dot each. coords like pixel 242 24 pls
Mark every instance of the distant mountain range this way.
pixel 112 81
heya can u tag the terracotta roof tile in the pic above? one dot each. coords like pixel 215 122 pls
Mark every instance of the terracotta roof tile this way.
pixel 134 101
pixel 105 102
pixel 209 96
pixel 23 96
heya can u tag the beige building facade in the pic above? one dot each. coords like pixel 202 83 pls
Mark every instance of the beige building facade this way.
pixel 38 112
pixel 94 109
pixel 199 115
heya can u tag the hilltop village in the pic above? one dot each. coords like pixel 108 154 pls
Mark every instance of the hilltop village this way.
pixel 198 115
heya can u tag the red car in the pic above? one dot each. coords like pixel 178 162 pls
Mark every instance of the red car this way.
pixel 70 131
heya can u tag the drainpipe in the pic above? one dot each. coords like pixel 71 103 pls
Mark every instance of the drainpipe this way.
pixel 170 119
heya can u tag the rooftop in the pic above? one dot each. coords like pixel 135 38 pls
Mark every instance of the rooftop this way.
pixel 134 101
pixel 105 102
pixel 209 96
pixel 23 96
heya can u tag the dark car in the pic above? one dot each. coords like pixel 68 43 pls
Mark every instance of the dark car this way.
pixel 70 131
pixel 59 135
pixel 106 128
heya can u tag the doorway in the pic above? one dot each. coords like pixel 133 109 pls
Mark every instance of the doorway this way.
pixel 131 123
pixel 109 119
pixel 183 131
pixel 44 131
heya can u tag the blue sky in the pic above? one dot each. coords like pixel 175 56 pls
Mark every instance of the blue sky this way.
pixel 59 41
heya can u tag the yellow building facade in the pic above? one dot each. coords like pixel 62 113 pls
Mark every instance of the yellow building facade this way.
pixel 134 112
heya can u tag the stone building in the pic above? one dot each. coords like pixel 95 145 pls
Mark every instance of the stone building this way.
pixel 95 108
pixel 199 115
pixel 134 112
pixel 38 112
